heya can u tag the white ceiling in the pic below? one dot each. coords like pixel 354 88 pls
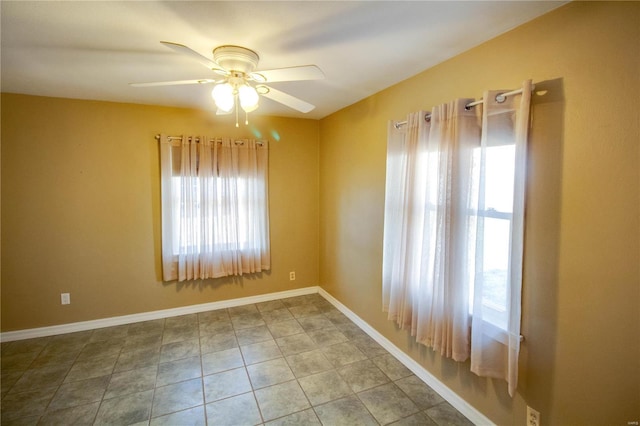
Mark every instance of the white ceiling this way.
pixel 93 49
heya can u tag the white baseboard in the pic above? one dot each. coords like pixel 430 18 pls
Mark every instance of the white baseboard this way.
pixel 147 316
pixel 451 397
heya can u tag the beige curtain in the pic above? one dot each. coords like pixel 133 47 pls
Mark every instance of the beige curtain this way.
pixel 495 343
pixel 453 230
pixel 215 217
pixel 429 171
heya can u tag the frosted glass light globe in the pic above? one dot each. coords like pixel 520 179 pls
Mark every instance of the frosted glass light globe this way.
pixel 248 98
pixel 222 94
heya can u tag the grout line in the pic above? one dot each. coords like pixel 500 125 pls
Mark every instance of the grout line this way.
pixel 204 393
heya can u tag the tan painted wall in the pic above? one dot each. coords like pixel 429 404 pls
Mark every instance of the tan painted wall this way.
pixel 81 209
pixel 580 360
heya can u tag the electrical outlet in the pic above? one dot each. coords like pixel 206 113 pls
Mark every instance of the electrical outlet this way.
pixel 65 298
pixel 533 417
pixel 292 276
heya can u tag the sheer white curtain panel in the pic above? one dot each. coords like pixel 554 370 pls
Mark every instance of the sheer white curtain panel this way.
pixel 495 342
pixel 215 217
pixel 428 231
pixel 453 230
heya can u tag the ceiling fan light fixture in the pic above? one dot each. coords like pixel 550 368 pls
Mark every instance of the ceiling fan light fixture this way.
pixel 222 95
pixel 248 98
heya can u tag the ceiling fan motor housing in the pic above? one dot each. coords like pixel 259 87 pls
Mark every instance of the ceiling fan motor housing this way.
pixel 236 58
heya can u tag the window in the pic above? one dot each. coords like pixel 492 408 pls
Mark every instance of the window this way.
pixel 496 214
pixel 215 218
pixel 205 236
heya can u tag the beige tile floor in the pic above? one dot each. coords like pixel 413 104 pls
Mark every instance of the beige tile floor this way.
pixel 294 361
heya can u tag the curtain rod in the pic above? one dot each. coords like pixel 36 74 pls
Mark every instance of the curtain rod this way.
pixel 197 139
pixel 500 98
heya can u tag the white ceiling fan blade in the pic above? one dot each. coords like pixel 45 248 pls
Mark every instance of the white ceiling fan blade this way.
pixel 184 50
pixel 305 72
pixel 174 83
pixel 285 99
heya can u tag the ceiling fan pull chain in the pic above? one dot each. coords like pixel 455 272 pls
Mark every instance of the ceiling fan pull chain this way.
pixel 236 103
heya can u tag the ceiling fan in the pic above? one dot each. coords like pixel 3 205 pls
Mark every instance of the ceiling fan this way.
pixel 240 83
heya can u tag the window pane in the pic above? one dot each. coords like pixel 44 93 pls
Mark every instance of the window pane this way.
pixel 230 215
pixel 499 178
pixel 496 269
